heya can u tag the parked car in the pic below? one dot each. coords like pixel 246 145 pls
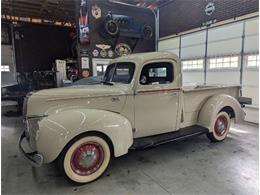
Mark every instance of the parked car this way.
pixel 140 103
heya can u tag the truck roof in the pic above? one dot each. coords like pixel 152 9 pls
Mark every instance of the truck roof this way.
pixel 140 58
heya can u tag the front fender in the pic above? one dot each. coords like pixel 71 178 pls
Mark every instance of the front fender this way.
pixel 56 130
pixel 214 105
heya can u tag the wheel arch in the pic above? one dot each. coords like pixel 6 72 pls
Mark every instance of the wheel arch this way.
pixel 88 133
pixel 216 104
pixel 61 129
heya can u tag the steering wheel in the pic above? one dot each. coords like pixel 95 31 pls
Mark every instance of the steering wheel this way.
pixel 143 80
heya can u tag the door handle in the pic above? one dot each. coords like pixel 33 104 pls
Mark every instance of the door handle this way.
pixel 115 99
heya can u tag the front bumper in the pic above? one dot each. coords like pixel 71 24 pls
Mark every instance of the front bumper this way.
pixel 35 159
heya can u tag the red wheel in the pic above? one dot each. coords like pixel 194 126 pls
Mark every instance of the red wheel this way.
pixel 86 159
pixel 220 127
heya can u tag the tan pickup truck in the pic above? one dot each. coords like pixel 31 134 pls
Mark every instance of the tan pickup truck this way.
pixel 140 103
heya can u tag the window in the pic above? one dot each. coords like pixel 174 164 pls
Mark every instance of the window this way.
pixel 192 64
pixel 223 62
pixel 157 73
pixel 120 72
pixel 101 68
pixel 253 61
pixel 5 68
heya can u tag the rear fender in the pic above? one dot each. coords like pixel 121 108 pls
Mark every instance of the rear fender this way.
pixel 214 105
pixel 57 130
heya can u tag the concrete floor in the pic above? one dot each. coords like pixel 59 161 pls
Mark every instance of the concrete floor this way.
pixel 193 166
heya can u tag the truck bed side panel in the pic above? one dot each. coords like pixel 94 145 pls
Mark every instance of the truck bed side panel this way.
pixel 195 98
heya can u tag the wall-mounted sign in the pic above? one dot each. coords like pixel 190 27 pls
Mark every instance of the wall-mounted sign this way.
pixel 122 49
pixel 103 46
pixel 95 52
pixel 210 8
pixel 84 62
pixel 83 23
pixel 96 12
pixel 103 53
pixel 110 53
pixel 208 23
pixel 85 73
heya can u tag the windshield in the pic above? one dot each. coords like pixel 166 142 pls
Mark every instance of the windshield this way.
pixel 88 81
pixel 120 72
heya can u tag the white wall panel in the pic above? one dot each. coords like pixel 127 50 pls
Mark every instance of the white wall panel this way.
pixel 193 52
pixel 225 40
pixel 225 32
pixel 252 114
pixel 251 36
pixel 226 47
pixel 223 77
pixel 194 38
pixel 169 44
pixel 251 77
pixel 251 44
pixel 193 45
pixel 193 77
pixel 251 26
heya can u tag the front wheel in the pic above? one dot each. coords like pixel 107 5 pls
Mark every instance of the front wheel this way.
pixel 220 128
pixel 85 159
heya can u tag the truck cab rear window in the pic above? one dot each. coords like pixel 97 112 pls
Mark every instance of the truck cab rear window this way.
pixel 157 73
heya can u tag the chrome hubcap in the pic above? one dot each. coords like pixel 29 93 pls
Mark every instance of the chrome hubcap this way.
pixel 220 125
pixel 87 158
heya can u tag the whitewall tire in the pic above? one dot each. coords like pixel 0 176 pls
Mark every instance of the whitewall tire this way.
pixel 220 128
pixel 85 159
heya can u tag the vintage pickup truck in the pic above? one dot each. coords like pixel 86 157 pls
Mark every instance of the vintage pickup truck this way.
pixel 139 103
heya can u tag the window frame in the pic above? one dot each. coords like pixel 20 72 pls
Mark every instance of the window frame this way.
pixel 154 62
pixel 223 68
pixel 193 69
pixel 246 61
pixel 5 69
pixel 115 63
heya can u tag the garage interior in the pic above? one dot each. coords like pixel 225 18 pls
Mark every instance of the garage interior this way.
pixel 56 43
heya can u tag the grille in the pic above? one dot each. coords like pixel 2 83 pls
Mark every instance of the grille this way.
pixel 32 128
pixel 25 102
pixel 25 106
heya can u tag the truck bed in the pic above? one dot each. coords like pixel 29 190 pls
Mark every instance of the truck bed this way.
pixel 194 98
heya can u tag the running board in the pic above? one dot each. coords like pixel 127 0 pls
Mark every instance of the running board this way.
pixel 146 142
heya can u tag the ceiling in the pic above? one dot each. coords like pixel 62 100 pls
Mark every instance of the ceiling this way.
pixel 60 12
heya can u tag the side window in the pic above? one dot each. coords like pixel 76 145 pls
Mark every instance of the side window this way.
pixel 157 73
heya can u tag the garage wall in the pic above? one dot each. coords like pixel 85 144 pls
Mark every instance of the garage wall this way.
pixel 238 39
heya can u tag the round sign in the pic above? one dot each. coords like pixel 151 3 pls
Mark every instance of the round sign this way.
pixel 210 8
pixel 95 52
pixel 123 49
pixel 96 11
pixel 103 53
pixel 110 53
pixel 85 73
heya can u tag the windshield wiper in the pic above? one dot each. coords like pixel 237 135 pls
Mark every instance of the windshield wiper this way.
pixel 107 83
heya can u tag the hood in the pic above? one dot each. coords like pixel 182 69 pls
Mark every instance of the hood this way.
pixel 78 97
pixel 83 91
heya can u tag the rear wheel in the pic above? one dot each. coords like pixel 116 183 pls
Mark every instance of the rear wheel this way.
pixel 221 127
pixel 85 159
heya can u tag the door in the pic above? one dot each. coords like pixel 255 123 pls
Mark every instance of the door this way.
pixel 156 99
